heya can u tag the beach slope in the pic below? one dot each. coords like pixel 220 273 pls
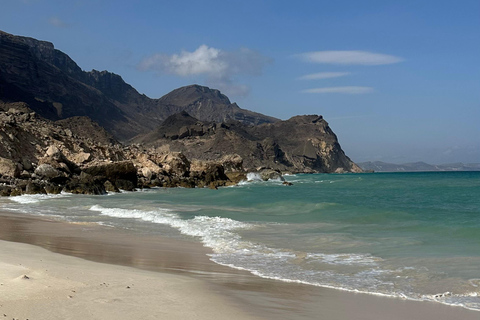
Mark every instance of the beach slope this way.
pixel 38 284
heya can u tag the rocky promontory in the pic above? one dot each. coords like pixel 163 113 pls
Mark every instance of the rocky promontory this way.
pixel 302 144
pixel 65 129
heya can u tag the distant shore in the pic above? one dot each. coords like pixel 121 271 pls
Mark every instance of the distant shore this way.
pixel 150 277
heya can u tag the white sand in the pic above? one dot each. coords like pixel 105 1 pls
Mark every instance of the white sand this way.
pixel 65 287
pixel 61 286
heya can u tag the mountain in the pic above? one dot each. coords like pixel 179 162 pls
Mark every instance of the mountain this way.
pixel 379 166
pixel 198 121
pixel 209 105
pixel 55 87
pixel 300 144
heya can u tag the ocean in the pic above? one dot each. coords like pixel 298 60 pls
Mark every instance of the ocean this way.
pixel 407 235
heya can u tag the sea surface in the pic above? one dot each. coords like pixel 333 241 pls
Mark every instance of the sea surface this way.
pixel 408 235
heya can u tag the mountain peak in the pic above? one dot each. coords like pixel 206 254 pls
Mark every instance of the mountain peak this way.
pixel 189 95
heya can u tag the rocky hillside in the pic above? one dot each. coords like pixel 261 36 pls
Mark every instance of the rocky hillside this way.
pixel 76 155
pixel 300 144
pixel 55 87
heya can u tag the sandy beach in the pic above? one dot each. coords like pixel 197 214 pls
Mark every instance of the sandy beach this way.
pixel 56 270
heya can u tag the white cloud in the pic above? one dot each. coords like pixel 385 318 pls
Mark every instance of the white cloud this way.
pixel 349 58
pixel 323 75
pixel 57 22
pixel 344 90
pixel 218 66
pixel 203 60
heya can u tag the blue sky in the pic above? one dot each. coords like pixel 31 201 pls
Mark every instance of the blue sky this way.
pixel 398 81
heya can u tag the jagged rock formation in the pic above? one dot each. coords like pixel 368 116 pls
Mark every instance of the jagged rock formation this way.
pixel 300 144
pixel 55 87
pixel 78 156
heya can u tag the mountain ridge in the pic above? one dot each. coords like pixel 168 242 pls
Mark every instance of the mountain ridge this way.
pixel 379 166
pixel 56 88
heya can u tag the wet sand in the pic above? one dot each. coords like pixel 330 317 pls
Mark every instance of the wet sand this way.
pixel 173 279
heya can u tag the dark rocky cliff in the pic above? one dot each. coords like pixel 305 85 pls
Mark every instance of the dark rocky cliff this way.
pixel 300 144
pixel 55 87
pixel 50 82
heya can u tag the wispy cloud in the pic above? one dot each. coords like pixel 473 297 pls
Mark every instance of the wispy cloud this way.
pixel 349 58
pixel 57 22
pixel 323 75
pixel 218 66
pixel 344 90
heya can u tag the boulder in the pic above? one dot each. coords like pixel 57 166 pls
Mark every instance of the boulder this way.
pixel 147 173
pixel 126 185
pixel 118 173
pixel 215 172
pixel 27 164
pixel 55 158
pixel 176 163
pixel 85 184
pixel 81 157
pixel 269 174
pixel 54 152
pixel 5 191
pixel 232 163
pixel 53 188
pixel 35 188
pixel 109 187
pixel 47 171
pixel 236 177
pixel 9 168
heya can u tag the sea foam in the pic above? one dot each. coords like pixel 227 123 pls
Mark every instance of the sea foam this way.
pixel 34 198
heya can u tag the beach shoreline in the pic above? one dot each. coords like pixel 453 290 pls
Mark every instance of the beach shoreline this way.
pixel 204 289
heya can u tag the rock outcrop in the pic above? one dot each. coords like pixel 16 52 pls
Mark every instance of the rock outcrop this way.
pixel 42 156
pixel 300 144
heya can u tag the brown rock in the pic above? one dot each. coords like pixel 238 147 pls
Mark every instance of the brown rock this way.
pixel 35 188
pixel 122 175
pixel 46 171
pixel 9 168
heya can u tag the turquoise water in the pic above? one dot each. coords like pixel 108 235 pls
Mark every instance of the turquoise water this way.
pixel 409 235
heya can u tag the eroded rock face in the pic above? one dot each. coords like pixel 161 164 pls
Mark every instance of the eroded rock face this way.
pixel 123 175
pixel 301 144
pixel 41 156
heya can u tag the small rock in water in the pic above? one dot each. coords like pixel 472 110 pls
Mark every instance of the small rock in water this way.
pixel 443 295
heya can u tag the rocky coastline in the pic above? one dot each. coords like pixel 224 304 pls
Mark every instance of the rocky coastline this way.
pixel 39 156
pixel 65 129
